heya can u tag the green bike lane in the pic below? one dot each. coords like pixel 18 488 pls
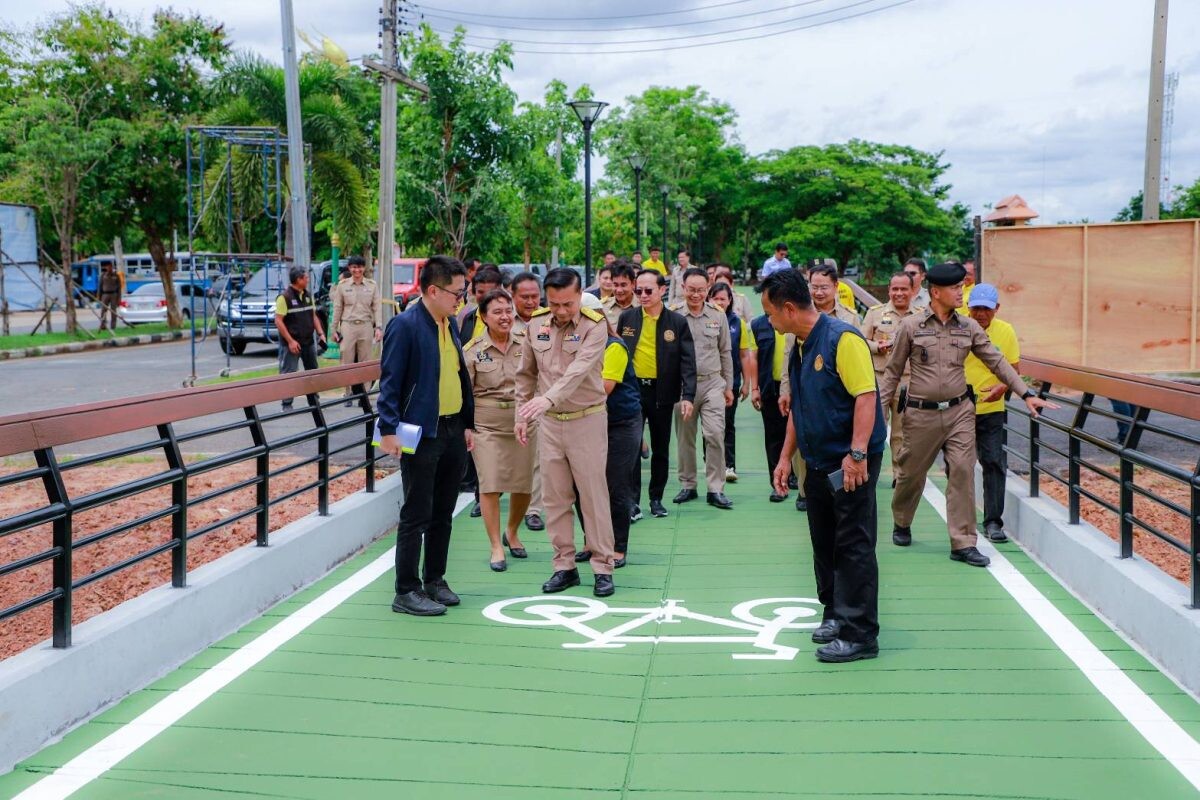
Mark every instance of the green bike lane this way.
pixel 969 697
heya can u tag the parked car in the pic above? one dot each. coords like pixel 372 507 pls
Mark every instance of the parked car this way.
pixel 406 278
pixel 247 313
pixel 536 269
pixel 148 303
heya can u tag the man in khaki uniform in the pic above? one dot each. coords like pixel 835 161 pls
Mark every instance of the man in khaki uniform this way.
pixel 880 327
pixel 940 409
pixel 714 391
pixel 527 301
pixel 560 386
pixel 623 278
pixel 357 318
pixel 823 283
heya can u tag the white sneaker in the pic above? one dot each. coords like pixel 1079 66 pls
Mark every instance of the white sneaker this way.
pixel 730 475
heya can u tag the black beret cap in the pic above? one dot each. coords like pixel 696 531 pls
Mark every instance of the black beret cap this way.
pixel 949 274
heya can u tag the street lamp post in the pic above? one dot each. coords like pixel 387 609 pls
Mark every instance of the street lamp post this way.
pixel 664 188
pixel 699 238
pixel 638 163
pixel 679 224
pixel 588 112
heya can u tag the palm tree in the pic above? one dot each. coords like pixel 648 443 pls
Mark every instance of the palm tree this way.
pixel 336 109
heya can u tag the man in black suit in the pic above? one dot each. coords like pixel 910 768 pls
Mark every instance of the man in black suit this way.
pixel 664 362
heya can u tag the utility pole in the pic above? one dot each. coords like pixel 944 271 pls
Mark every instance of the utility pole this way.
pixel 1154 114
pixel 296 185
pixel 389 70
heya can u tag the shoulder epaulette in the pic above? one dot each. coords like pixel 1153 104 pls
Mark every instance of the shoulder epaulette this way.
pixel 517 332
pixel 608 301
pixel 539 312
pixel 675 306
pixel 592 314
pixel 878 305
pixel 472 343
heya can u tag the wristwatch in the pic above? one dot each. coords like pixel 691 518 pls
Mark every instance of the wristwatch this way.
pixel 858 455
pixel 1028 394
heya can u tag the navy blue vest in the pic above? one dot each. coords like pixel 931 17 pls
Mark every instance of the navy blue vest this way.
pixel 822 409
pixel 764 337
pixel 735 347
pixel 625 402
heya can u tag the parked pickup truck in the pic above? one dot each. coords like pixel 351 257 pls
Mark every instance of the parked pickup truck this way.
pixel 246 313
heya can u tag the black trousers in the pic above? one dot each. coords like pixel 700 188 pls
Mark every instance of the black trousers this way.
pixel 990 438
pixel 730 416
pixel 659 418
pixel 774 430
pixel 290 362
pixel 624 455
pixel 431 476
pixel 843 526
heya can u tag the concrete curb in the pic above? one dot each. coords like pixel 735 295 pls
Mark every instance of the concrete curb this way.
pixel 95 344
pixel 44 692
pixel 1145 605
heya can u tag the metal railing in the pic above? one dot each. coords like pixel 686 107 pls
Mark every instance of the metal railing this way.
pixel 1146 395
pixel 41 432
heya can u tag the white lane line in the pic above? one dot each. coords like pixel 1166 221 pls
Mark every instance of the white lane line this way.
pixel 1163 733
pixel 108 752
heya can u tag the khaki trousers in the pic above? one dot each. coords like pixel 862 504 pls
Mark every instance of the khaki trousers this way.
pixel 574 455
pixel 357 341
pixel 951 433
pixel 709 415
pixel 893 417
pixel 535 500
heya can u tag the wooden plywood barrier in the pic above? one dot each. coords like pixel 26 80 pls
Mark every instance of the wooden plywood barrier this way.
pixel 1119 296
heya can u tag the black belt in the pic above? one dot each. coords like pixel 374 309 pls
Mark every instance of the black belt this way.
pixel 942 405
pixel 648 381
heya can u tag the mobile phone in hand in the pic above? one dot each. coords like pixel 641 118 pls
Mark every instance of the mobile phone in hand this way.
pixel 837 480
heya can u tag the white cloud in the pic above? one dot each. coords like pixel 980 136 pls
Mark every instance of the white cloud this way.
pixel 1045 99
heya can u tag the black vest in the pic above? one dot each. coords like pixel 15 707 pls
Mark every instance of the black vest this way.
pixel 301 319
pixel 625 401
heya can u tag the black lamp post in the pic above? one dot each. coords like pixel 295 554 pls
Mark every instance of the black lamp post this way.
pixel 699 238
pixel 637 163
pixel 679 224
pixel 588 112
pixel 665 189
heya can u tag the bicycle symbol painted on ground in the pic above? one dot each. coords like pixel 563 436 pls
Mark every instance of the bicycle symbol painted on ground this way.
pixel 759 622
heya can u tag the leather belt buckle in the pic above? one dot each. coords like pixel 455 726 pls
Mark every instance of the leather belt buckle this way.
pixel 943 405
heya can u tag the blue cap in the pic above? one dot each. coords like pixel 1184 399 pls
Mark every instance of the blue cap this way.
pixel 984 295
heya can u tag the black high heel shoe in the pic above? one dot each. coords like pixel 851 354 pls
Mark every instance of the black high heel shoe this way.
pixel 517 552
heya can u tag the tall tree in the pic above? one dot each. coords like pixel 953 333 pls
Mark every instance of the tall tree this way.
pixel 453 146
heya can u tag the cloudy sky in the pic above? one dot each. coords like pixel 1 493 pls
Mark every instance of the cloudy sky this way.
pixel 1045 98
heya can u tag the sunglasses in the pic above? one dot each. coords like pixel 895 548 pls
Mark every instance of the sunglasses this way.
pixel 644 291
pixel 912 274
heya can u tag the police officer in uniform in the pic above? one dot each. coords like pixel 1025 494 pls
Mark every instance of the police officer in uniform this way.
pixel 357 317
pixel 714 391
pixel 559 386
pixel 880 327
pixel 940 409
pixel 110 297
pixel 297 322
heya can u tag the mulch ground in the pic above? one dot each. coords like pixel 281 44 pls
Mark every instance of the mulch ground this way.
pixel 34 626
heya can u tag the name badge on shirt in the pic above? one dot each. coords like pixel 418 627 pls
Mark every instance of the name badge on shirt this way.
pixel 483 358
pixel 544 335
pixel 573 337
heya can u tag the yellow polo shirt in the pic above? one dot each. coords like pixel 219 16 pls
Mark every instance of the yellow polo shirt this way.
pixel 645 356
pixel 450 399
pixel 854 365
pixel 779 362
pixel 979 376
pixel 616 358
pixel 656 265
pixel 746 340
pixel 846 295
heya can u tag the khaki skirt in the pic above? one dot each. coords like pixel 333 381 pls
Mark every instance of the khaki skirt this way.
pixel 502 463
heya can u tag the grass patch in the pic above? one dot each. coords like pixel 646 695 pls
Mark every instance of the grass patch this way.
pixel 24 340
pixel 265 372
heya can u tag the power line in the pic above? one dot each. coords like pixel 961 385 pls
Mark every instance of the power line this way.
pixel 743 29
pixel 594 19
pixel 642 27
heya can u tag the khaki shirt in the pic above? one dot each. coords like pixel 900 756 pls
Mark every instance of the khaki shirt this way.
pixel 493 372
pixel 710 337
pixel 880 327
pixel 563 362
pixel 845 315
pixel 741 307
pixel 520 324
pixel 614 311
pixel 935 352
pixel 356 302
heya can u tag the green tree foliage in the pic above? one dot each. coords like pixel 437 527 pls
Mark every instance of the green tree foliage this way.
pixel 1186 205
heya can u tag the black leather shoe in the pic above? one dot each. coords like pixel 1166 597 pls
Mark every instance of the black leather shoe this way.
pixel 618 562
pixel 582 556
pixel 657 509
pixel 534 522
pixel 839 651
pixel 802 504
pixel 776 497
pixel 685 495
pixel 498 566
pixel 901 536
pixel 994 531
pixel 476 511
pixel 827 631
pixel 604 586
pixel 560 581
pixel 518 552
pixel 792 482
pixel 441 592
pixel 417 604
pixel 970 555
pixel 719 500
pixel 635 514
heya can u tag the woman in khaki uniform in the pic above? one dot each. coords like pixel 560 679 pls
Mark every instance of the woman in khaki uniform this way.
pixel 503 465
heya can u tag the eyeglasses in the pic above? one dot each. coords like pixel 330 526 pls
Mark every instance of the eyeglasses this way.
pixel 912 274
pixel 640 290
